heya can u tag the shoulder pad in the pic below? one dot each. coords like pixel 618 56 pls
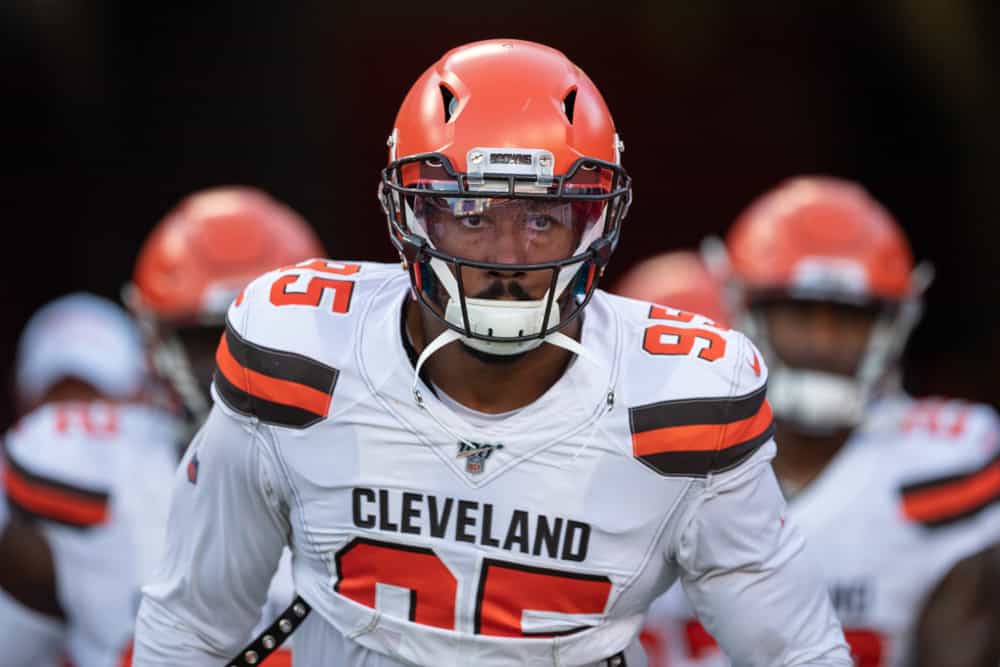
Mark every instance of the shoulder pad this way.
pixel 696 392
pixel 287 336
pixel 56 465
pixel 953 455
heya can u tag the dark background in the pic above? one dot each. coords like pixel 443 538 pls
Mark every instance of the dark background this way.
pixel 115 110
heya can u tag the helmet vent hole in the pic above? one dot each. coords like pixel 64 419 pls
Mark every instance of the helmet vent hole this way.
pixel 449 101
pixel 569 103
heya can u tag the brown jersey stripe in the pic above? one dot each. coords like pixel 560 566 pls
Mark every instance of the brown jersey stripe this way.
pixel 280 364
pixel 689 412
pixel 699 463
pixel 945 500
pixel 52 500
pixel 702 437
pixel 268 388
pixel 267 411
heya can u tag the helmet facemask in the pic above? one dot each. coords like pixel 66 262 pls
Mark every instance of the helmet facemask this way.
pixel 554 233
pixel 820 402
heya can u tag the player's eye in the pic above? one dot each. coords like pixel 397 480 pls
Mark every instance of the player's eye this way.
pixel 540 223
pixel 471 221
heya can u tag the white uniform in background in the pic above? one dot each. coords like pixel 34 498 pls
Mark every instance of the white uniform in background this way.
pixel 912 493
pixel 30 637
pixel 96 478
pixel 540 543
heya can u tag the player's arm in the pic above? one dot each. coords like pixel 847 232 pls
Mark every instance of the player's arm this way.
pixel 744 571
pixel 227 526
pixel 959 624
pixel 29 607
pixel 27 571
pixel 742 564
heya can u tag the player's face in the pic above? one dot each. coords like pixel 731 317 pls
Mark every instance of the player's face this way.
pixel 821 336
pixel 505 231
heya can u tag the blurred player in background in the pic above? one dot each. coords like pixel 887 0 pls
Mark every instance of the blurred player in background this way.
pixel 189 271
pixel 457 485
pixel 125 455
pixel 897 496
pixel 86 471
pixel 679 279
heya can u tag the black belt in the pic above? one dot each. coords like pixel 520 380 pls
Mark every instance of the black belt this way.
pixel 275 635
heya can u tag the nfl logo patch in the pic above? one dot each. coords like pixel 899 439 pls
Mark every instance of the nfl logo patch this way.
pixel 475 455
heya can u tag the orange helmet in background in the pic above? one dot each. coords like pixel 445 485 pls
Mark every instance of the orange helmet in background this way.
pixel 208 247
pixel 678 279
pixel 819 238
pixel 491 123
pixel 191 267
pixel 822 238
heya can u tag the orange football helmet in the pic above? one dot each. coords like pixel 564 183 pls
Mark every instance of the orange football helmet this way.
pixel 820 238
pixel 678 279
pixel 192 266
pixel 475 135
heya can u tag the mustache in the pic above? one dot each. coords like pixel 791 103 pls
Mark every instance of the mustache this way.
pixel 500 288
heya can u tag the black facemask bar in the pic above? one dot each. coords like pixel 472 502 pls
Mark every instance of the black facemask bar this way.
pixel 417 251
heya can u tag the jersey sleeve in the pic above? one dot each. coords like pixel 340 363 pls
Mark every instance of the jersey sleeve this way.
pixel 59 474
pixel 949 492
pixel 712 413
pixel 953 483
pixel 745 573
pixel 225 533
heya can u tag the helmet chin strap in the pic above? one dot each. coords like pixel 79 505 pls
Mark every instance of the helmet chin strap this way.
pixel 557 338
pixel 500 318
pixel 503 319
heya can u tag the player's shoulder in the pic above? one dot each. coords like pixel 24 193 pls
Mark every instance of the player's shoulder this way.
pixel 948 453
pixel 696 391
pixel 290 333
pixel 63 460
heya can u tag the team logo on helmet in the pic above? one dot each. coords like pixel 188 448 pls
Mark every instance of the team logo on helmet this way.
pixel 475 455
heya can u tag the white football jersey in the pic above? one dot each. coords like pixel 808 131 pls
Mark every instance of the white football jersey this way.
pixel 538 539
pixel 97 478
pixel 912 492
pixel 39 638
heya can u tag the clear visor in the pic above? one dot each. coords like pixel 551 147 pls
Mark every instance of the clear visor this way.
pixel 501 230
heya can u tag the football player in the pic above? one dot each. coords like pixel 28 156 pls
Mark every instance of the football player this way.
pixel 80 377
pixel 482 459
pixel 191 267
pixel 679 279
pixel 896 495
pixel 110 460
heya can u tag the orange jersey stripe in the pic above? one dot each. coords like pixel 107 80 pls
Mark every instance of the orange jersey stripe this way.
pixel 52 502
pixel 268 388
pixel 701 437
pixel 953 498
pixel 280 658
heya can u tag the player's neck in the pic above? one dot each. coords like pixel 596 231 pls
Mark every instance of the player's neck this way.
pixel 801 458
pixel 491 387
